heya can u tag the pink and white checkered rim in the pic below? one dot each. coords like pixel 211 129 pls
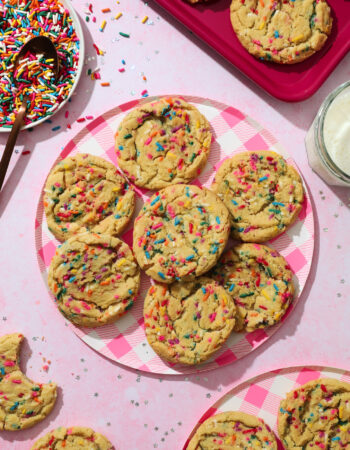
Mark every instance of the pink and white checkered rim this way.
pixel 124 341
pixel 261 395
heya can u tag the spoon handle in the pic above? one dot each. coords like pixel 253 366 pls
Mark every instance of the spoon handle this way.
pixel 11 141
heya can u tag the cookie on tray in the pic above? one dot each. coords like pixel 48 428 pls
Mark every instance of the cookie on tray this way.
pixel 260 282
pixel 94 278
pixel 316 415
pixel 285 32
pixel 180 233
pixel 263 193
pixel 233 430
pixel 163 142
pixel 87 191
pixel 23 403
pixel 73 438
pixel 187 322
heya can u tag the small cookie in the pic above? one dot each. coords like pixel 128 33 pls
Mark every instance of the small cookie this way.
pixel 87 191
pixel 162 143
pixel 94 278
pixel 73 439
pixel 233 430
pixel 260 282
pixel 285 32
pixel 23 403
pixel 316 416
pixel 263 193
pixel 187 322
pixel 180 233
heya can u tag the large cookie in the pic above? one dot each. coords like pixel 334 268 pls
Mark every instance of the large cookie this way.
pixel 162 143
pixel 260 282
pixel 233 430
pixel 73 439
pixel 87 191
pixel 187 322
pixel 263 193
pixel 316 416
pixel 94 278
pixel 23 403
pixel 283 31
pixel 180 233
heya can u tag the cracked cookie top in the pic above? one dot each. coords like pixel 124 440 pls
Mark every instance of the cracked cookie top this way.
pixel 162 143
pixel 180 233
pixel 87 191
pixel 316 415
pixel 263 193
pixel 282 31
pixel 94 278
pixel 260 282
pixel 187 322
pixel 233 430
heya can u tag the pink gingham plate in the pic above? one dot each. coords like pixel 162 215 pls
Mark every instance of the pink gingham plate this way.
pixel 124 341
pixel 261 395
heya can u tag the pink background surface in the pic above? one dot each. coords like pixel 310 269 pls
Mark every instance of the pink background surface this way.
pixel 137 411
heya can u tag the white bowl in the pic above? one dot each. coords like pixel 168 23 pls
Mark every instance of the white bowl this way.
pixel 79 32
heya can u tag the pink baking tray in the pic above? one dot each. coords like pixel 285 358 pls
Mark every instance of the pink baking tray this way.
pixel 291 83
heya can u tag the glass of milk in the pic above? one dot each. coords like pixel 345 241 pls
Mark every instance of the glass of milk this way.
pixel 328 140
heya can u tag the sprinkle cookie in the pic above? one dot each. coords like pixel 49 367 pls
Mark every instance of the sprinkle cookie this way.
pixel 260 282
pixel 180 233
pixel 87 191
pixel 187 322
pixel 316 416
pixel 285 32
pixel 94 278
pixel 162 143
pixel 233 430
pixel 23 403
pixel 73 439
pixel 263 193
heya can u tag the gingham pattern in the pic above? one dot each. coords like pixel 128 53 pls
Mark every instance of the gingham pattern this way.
pixel 124 341
pixel 261 395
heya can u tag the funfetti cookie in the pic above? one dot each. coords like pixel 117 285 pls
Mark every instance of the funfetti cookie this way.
pixel 285 32
pixel 162 143
pixel 263 193
pixel 87 191
pixel 233 430
pixel 73 438
pixel 316 416
pixel 23 403
pixel 187 322
pixel 180 233
pixel 260 282
pixel 94 278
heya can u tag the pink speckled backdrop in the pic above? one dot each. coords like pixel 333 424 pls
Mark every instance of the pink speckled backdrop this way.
pixel 138 411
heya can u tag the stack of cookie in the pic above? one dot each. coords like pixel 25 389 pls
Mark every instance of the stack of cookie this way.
pixel 200 293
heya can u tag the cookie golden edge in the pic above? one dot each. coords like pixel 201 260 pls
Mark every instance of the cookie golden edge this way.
pixel 10 345
pixel 330 383
pixel 51 223
pixel 263 237
pixel 234 416
pixel 286 58
pixel 90 322
pixel 61 433
pixel 160 348
pixel 155 184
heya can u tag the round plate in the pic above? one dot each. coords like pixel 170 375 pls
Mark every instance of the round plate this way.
pixel 261 395
pixel 124 341
pixel 76 22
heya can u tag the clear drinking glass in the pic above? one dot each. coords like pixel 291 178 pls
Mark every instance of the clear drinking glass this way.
pixel 318 155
